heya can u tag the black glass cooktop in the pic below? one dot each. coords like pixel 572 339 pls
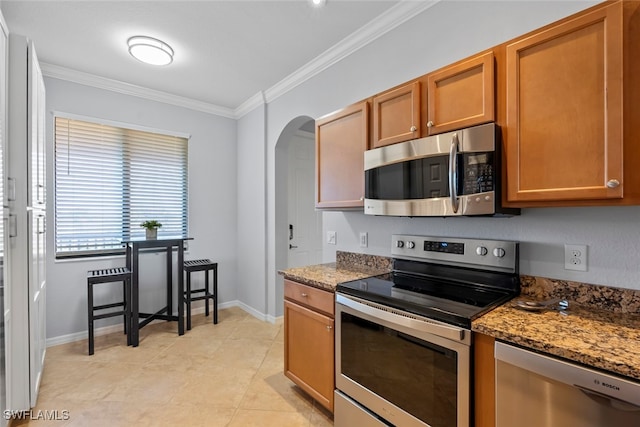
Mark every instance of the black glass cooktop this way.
pixel 451 295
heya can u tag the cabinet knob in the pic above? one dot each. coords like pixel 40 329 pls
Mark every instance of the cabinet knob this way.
pixel 613 183
pixel 329 328
pixel 362 199
pixel 413 129
pixel 430 123
pixel 304 295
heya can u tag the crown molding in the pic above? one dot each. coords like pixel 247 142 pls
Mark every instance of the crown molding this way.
pixel 250 104
pixel 395 16
pixel 379 26
pixel 62 73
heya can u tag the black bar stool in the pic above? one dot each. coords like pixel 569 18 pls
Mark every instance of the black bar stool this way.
pixel 109 275
pixel 205 265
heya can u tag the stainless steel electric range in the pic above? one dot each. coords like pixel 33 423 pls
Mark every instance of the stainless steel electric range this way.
pixel 403 340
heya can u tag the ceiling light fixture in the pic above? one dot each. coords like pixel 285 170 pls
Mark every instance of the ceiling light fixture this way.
pixel 318 3
pixel 150 51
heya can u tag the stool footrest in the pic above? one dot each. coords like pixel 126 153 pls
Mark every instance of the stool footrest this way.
pixel 195 291
pixel 107 315
pixel 200 298
pixel 102 307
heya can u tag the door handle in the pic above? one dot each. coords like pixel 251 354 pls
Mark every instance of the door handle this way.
pixel 13 225
pixel 292 246
pixel 603 399
pixel 453 173
pixel 11 189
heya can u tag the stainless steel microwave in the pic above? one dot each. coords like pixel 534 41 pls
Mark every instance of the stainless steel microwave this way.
pixel 451 174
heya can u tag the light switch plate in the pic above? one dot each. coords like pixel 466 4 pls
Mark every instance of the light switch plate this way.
pixel 331 237
pixel 364 239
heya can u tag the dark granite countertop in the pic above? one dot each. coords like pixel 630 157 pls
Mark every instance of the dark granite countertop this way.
pixel 348 266
pixel 600 329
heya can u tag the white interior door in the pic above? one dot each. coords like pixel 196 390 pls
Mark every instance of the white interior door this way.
pixel 36 224
pixel 305 223
pixel 5 314
pixel 26 286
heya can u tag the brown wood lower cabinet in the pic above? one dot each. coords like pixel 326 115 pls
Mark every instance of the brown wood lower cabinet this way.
pixel 484 380
pixel 309 341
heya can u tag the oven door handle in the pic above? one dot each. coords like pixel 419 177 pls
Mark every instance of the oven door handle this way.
pixel 405 319
pixel 453 172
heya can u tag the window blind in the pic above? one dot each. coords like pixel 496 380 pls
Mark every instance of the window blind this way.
pixel 108 180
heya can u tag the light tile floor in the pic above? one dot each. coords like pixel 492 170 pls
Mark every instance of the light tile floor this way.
pixel 229 374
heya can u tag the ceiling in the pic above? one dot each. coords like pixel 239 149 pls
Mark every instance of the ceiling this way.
pixel 226 52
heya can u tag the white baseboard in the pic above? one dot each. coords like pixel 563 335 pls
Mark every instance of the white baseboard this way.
pixel 82 335
pixel 252 311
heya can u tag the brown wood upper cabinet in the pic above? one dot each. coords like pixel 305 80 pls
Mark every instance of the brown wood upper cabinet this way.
pixel 461 95
pixel 564 107
pixel 342 138
pixel 396 115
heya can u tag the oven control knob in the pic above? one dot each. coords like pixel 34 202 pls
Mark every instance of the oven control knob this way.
pixel 498 252
pixel 481 250
pixel 411 245
pixel 399 244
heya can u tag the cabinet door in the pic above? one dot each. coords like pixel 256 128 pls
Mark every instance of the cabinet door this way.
pixel 5 309
pixel 396 115
pixel 309 352
pixel 461 95
pixel 37 300
pixel 341 140
pixel 36 131
pixel 564 136
pixel 484 389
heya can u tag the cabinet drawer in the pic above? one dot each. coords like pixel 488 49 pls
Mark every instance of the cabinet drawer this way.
pixel 311 297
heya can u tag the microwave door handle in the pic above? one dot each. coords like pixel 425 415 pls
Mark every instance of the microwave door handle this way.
pixel 453 172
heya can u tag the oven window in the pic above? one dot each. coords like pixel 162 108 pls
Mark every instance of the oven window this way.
pixel 415 179
pixel 417 376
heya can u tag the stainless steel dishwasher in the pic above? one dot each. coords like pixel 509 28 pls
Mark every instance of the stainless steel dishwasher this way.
pixel 534 390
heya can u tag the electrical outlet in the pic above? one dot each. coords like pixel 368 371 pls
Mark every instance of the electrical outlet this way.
pixel 331 237
pixel 575 257
pixel 364 239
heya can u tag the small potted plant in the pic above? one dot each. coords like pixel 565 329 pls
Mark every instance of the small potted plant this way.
pixel 151 226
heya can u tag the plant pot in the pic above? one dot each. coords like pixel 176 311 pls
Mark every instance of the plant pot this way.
pixel 152 233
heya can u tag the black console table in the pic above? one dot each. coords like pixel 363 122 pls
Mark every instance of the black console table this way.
pixel 165 313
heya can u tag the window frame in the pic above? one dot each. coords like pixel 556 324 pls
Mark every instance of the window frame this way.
pixel 125 235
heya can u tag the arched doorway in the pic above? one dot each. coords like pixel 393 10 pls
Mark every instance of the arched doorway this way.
pixel 298 227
